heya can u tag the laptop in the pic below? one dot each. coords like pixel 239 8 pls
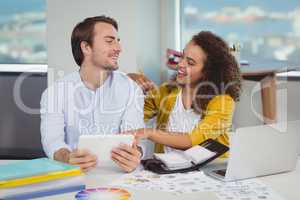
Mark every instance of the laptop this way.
pixel 260 151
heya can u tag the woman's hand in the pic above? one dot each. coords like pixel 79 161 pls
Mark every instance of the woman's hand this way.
pixel 145 83
pixel 143 133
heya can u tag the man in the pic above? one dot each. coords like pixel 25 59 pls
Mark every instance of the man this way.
pixel 94 100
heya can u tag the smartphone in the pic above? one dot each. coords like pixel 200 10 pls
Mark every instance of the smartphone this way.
pixel 173 56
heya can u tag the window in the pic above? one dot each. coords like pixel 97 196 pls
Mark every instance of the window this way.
pixel 265 29
pixel 23 32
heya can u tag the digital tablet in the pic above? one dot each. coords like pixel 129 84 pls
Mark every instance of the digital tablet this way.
pixel 101 146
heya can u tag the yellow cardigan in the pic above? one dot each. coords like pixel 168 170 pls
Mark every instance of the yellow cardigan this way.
pixel 215 123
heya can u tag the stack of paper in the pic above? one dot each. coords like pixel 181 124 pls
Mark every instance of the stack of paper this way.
pixel 38 177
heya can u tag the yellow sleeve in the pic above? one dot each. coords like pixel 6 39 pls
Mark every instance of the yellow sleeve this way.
pixel 152 102
pixel 217 121
pixel 150 105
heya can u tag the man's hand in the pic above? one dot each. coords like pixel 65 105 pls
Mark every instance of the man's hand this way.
pixel 145 83
pixel 62 155
pixel 126 157
pixel 83 158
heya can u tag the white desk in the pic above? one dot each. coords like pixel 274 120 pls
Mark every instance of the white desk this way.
pixel 287 185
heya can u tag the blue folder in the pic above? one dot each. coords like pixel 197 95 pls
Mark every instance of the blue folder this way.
pixel 33 167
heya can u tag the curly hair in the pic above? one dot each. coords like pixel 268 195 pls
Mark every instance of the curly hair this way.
pixel 220 74
pixel 220 71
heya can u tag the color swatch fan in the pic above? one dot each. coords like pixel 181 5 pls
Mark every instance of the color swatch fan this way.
pixel 103 194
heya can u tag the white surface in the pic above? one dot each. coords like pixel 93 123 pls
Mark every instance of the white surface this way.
pixel 254 154
pixel 286 184
pixel 101 145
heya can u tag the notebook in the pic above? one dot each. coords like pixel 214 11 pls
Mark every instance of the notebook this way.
pixel 185 159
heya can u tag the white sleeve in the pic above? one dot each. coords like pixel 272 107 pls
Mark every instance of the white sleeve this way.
pixel 133 117
pixel 52 122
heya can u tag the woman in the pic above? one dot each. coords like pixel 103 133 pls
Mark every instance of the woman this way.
pixel 199 103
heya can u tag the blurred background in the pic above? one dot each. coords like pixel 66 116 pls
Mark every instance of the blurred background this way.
pixel 35 42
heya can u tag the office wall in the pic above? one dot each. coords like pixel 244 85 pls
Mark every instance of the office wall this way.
pixel 170 32
pixel 139 29
pixel 288 100
pixel 148 38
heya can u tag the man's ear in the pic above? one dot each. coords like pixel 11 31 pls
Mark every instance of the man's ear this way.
pixel 85 47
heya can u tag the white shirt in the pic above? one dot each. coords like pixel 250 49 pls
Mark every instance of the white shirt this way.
pixel 69 109
pixel 181 120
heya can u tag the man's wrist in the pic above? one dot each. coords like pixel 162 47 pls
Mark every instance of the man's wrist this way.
pixel 62 155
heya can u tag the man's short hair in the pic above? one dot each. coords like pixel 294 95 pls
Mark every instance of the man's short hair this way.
pixel 84 31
